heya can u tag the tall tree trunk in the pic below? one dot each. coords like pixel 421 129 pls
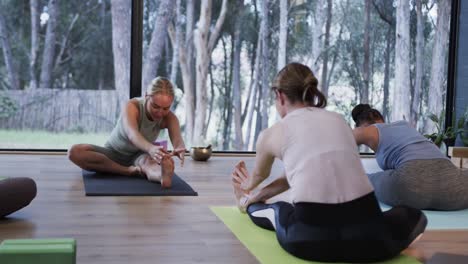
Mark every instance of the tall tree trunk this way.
pixel 283 34
pixel 212 90
pixel 258 121
pixel 419 64
pixel 64 43
pixel 34 7
pixel 250 117
pixel 318 19
pixel 236 89
pixel 264 31
pixel 337 45
pixel 121 21
pixel 167 56
pixel 49 46
pixel 439 58
pixel 255 91
pixel 385 13
pixel 204 45
pixel 7 54
pixel 225 91
pixel 156 45
pixel 366 71
pixel 401 91
pixel 186 69
pixel 326 46
pixel 101 55
pixel 386 84
pixel 176 43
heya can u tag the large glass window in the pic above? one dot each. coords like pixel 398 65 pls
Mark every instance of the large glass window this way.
pixel 65 65
pixel 223 56
pixel 64 71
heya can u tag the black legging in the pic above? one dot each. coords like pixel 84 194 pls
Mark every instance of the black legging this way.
pixel 355 231
pixel 15 193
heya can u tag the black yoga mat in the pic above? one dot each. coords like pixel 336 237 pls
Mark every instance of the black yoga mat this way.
pixel 105 184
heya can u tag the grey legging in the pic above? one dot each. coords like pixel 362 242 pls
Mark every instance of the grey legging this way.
pixel 423 184
pixel 15 193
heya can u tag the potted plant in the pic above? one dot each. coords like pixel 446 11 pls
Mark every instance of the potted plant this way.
pixel 448 135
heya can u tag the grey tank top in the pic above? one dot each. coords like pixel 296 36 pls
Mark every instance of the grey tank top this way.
pixel 118 140
pixel 399 143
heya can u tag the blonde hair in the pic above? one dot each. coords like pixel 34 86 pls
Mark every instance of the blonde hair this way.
pixel 160 85
pixel 298 83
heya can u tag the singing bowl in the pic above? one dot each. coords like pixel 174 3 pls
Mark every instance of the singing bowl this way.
pixel 200 153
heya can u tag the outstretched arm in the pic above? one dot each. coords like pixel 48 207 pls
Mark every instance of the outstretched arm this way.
pixel 244 198
pixel 263 162
pixel 176 136
pixel 268 147
pixel 274 188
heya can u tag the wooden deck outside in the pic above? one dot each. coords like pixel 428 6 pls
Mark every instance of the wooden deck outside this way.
pixel 152 229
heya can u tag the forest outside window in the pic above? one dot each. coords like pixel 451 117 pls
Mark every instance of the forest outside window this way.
pixel 64 72
pixel 222 55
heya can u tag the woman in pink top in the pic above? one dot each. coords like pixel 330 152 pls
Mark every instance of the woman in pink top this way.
pixel 334 215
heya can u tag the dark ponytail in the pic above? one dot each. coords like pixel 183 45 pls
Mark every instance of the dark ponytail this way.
pixel 364 113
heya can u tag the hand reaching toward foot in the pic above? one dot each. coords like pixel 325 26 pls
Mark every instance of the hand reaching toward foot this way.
pixel 241 175
pixel 240 178
pixel 157 153
pixel 180 153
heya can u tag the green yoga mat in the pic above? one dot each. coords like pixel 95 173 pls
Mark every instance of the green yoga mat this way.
pixel 263 244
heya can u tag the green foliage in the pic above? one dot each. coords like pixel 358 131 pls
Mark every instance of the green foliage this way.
pixel 449 134
pixel 84 43
pixel 8 107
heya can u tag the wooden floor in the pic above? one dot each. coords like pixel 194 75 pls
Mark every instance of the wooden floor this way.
pixel 142 230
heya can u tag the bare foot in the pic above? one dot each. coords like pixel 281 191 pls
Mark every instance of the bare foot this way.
pixel 167 170
pixel 241 198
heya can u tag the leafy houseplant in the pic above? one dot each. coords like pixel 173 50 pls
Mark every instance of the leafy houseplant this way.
pixel 449 135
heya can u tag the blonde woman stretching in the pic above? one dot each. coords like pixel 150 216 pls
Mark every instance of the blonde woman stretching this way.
pixel 130 149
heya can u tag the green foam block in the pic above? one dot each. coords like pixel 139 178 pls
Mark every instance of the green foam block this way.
pixel 263 243
pixel 40 251
pixel 40 241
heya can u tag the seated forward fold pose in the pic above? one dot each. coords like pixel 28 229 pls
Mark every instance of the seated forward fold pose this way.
pixel 415 172
pixel 130 149
pixel 334 215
